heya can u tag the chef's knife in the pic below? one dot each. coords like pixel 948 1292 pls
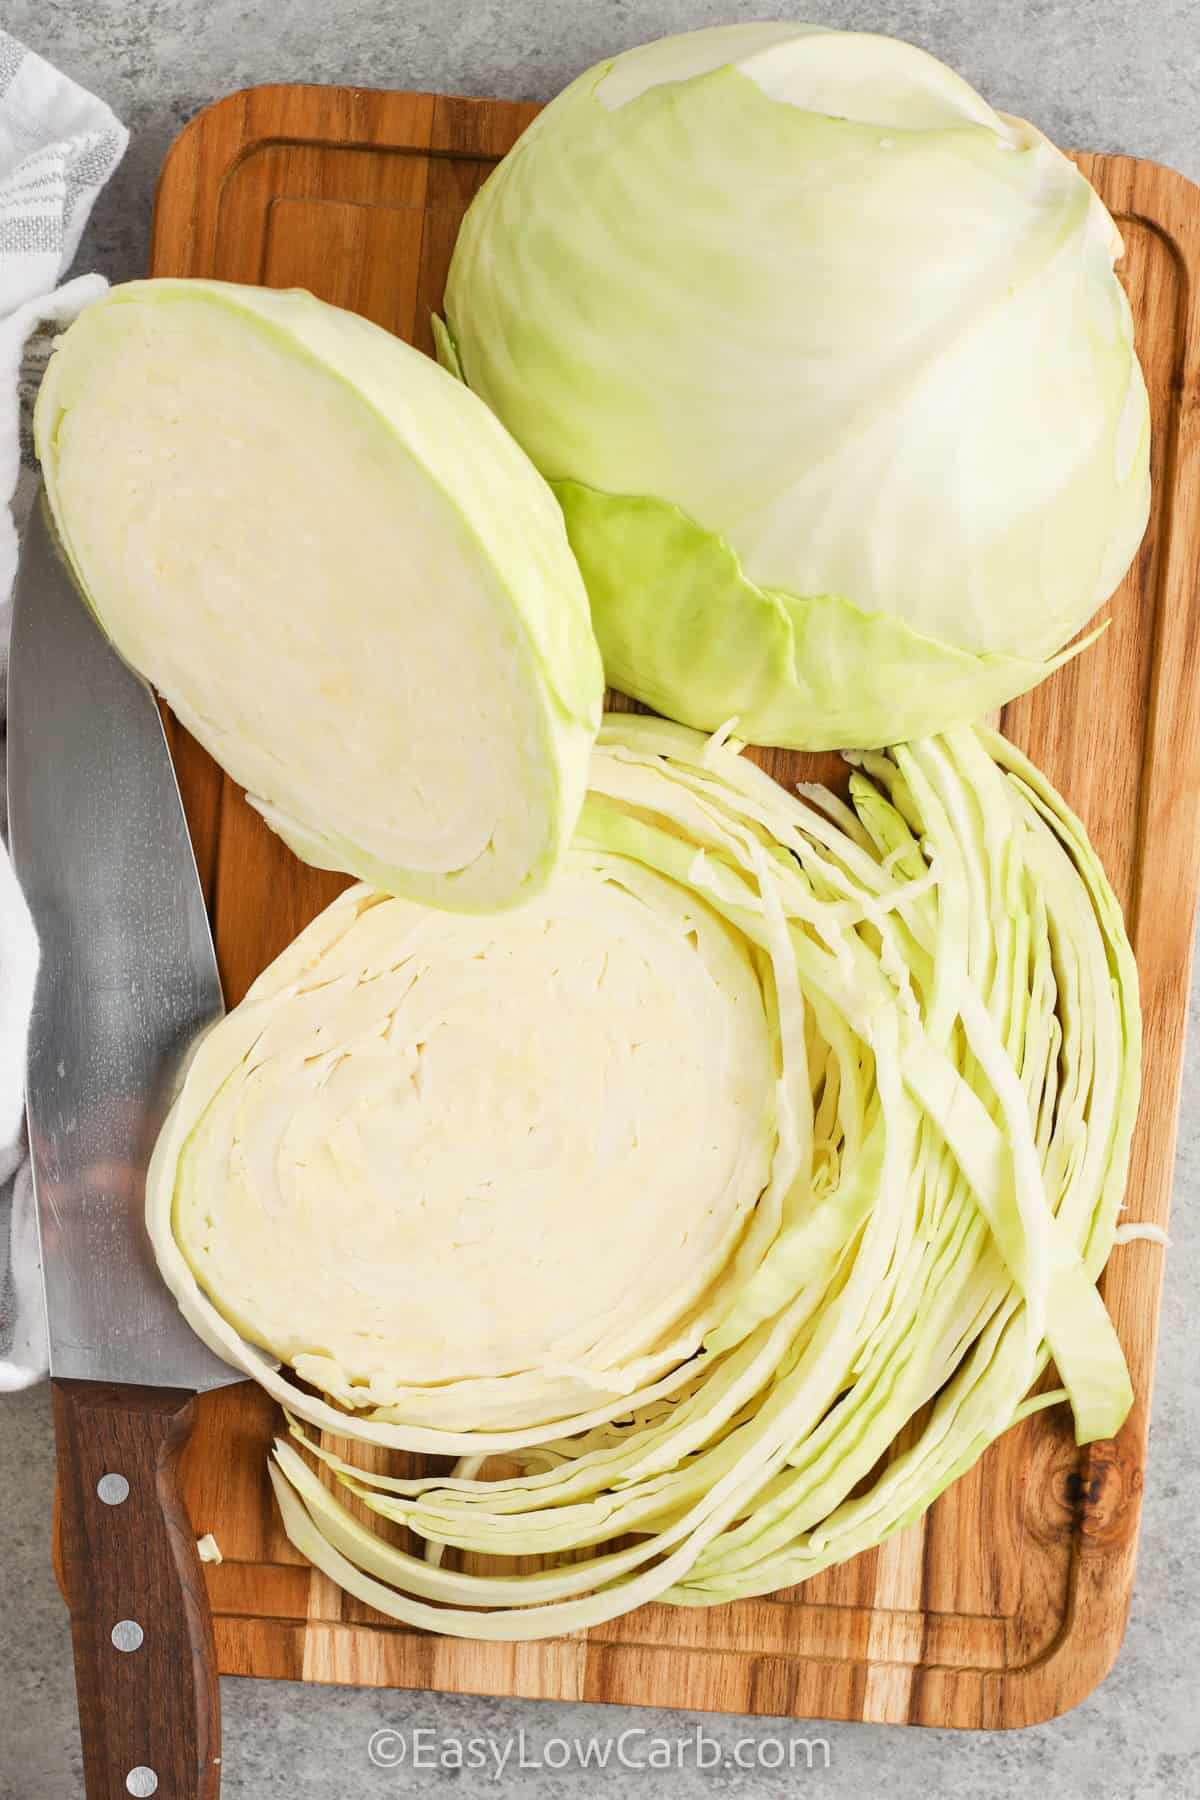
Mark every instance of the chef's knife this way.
pixel 127 982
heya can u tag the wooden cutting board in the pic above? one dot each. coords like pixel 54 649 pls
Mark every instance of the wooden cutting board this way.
pixel 1007 1604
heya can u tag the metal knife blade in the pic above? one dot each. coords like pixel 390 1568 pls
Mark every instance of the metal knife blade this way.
pixel 127 981
pixel 128 976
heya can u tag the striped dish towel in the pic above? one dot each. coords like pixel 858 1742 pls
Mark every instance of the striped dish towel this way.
pixel 58 146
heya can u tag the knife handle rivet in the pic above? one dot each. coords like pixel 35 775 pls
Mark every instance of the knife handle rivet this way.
pixel 142 1781
pixel 112 1489
pixel 127 1634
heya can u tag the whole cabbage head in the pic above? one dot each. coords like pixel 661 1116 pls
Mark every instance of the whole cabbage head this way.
pixel 828 366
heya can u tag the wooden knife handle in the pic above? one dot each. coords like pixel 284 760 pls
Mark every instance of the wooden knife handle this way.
pixel 145 1663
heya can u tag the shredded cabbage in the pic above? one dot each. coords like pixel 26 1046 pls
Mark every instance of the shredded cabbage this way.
pixel 752 1312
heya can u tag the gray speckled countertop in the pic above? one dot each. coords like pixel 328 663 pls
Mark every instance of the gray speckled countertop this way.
pixel 1119 75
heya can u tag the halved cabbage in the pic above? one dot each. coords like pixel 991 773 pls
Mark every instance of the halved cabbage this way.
pixel 828 365
pixel 733 1196
pixel 346 579
pixel 485 1172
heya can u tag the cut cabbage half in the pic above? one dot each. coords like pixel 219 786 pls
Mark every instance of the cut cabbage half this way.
pixel 828 365
pixel 717 1210
pixel 346 579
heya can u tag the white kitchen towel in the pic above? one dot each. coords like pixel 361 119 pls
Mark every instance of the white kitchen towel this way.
pixel 58 146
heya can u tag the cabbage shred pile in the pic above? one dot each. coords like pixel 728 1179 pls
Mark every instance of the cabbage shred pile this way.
pixel 951 1004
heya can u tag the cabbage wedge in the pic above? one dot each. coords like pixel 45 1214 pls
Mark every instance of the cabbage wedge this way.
pixel 716 1211
pixel 346 579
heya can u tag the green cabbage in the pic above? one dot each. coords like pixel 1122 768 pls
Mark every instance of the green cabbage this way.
pixel 828 366
pixel 343 575
pixel 718 1209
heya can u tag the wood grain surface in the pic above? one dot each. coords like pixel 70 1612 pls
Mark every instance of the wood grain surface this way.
pixel 1007 1603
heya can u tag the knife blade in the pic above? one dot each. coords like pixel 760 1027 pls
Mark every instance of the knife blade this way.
pixel 127 982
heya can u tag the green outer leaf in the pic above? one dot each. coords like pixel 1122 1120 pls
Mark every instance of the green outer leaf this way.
pixel 683 628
